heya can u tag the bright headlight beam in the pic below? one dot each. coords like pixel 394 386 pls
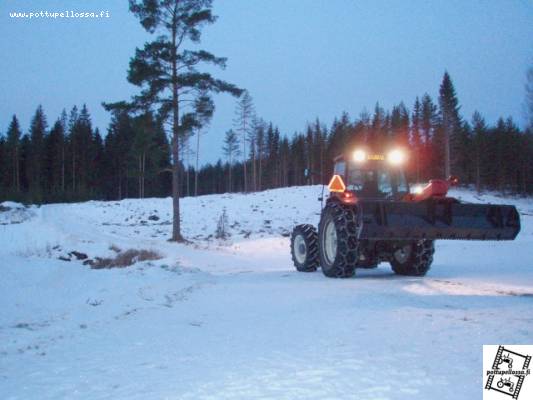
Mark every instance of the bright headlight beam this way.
pixel 359 156
pixel 396 157
pixel 417 189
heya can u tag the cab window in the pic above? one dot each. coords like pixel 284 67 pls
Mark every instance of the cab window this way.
pixel 376 181
pixel 340 168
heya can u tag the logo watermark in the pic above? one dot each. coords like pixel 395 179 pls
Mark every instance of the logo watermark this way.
pixel 65 14
pixel 506 372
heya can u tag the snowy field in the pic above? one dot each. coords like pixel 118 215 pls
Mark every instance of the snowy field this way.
pixel 233 320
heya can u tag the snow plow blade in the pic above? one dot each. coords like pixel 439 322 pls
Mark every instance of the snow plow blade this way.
pixel 438 220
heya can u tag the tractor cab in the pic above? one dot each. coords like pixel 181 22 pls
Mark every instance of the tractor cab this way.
pixel 373 176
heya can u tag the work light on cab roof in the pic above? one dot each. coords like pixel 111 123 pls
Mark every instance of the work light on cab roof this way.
pixel 395 157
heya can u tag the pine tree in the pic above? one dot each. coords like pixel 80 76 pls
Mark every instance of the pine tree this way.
pixel 415 139
pixel 378 129
pixel 168 75
pixel 319 144
pixel 97 164
pixel 117 152
pixel 64 126
pixel 284 157
pixel 428 124
pixel 73 147
pixel 83 137
pixel 272 146
pixel 309 144
pixel 142 147
pixel 54 147
pixel 4 169
pixel 231 151
pixel 13 152
pixel 36 156
pixel 298 159
pixel 450 123
pixel 529 97
pixel 260 144
pixel 244 114
pixel 252 139
pixel 197 164
pixel 479 144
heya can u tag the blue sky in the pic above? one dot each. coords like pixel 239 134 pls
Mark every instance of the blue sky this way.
pixel 300 59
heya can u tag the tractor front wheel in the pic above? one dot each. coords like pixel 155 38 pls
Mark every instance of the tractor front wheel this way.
pixel 304 248
pixel 413 259
pixel 338 240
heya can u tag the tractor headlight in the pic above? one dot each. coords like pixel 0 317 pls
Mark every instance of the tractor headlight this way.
pixel 359 156
pixel 417 189
pixel 396 157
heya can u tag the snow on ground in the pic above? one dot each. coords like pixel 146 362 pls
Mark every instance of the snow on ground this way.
pixel 233 320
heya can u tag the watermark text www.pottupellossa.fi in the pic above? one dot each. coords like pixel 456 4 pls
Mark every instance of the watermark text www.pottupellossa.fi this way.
pixel 61 14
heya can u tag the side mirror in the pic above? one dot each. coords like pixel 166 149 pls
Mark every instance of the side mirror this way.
pixel 453 180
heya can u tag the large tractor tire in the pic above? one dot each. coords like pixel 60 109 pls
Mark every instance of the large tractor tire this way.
pixel 338 234
pixel 304 248
pixel 413 259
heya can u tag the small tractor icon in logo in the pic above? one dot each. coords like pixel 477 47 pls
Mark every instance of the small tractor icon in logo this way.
pixel 506 358
pixel 506 383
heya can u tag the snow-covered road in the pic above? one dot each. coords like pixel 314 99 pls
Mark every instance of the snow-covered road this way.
pixel 214 320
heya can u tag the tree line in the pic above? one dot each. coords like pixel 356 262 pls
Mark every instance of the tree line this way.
pixel 71 161
pixel 440 141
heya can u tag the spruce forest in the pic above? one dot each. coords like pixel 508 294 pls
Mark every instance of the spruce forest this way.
pixel 67 159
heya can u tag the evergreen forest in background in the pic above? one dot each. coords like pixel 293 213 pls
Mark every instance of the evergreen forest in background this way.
pixel 70 160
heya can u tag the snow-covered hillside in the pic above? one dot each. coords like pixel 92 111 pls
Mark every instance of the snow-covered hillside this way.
pixel 232 319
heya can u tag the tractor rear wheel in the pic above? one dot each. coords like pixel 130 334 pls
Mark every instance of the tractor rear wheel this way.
pixel 304 248
pixel 338 234
pixel 413 259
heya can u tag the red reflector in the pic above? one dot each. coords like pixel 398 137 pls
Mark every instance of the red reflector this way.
pixel 348 197
pixel 336 184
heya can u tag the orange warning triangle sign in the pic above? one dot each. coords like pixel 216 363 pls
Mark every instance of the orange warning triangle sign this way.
pixel 336 184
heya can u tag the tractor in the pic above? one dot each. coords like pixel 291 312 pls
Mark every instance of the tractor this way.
pixel 506 382
pixel 372 215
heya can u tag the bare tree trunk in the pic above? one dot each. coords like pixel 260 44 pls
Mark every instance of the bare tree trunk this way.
pixel 478 174
pixel 14 157
pixel 16 169
pixel 73 170
pixel 244 158
pixel 140 178
pixel 197 162
pixel 229 167
pixel 120 184
pixel 176 223
pixel 321 161
pixel 260 172
pixel 63 166
pixel 187 173
pixel 447 168
pixel 254 172
pixel 524 177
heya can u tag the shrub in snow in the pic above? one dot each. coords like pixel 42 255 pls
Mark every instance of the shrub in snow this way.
pixel 222 226
pixel 125 259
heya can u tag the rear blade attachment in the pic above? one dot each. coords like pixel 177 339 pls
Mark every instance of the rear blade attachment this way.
pixel 438 219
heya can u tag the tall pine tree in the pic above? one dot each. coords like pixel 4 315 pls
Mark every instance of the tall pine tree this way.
pixel 168 74
pixel 450 122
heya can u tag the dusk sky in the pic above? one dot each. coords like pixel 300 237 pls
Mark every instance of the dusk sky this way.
pixel 299 59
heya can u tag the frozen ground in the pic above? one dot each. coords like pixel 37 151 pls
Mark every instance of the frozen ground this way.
pixel 214 320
